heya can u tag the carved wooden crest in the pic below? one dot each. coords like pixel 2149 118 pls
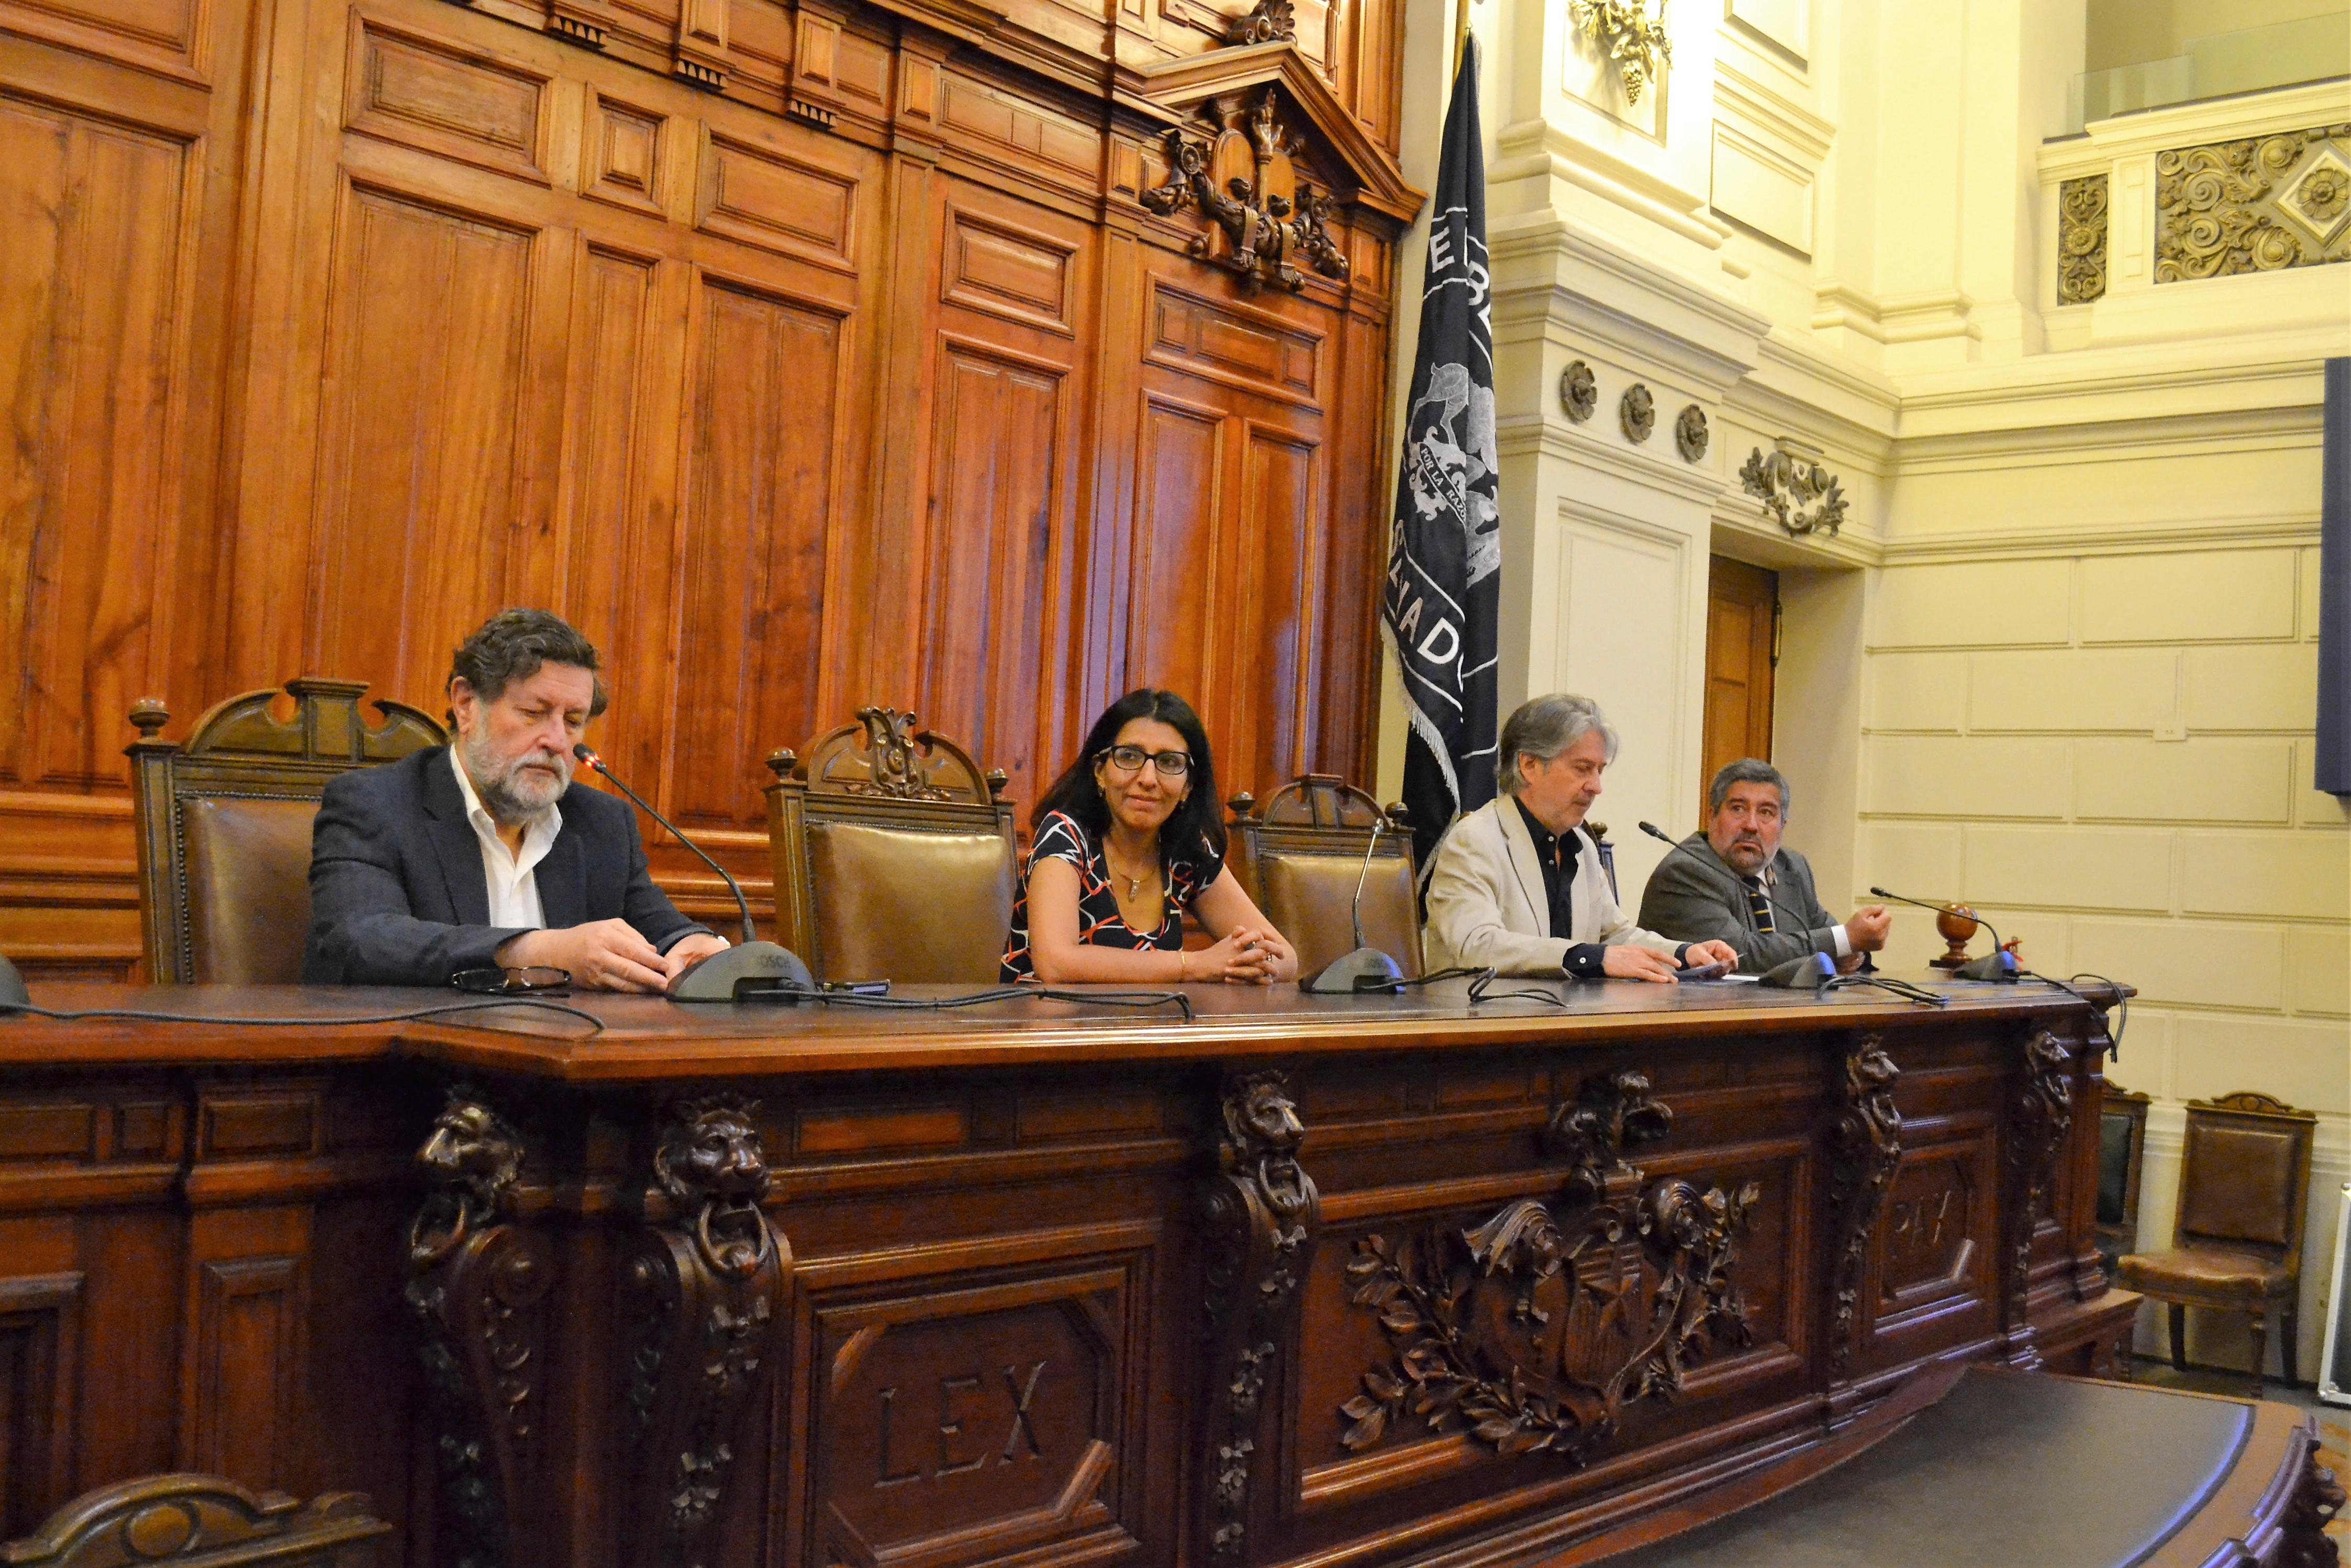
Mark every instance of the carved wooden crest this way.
pixel 1237 170
pixel 1534 1330
pixel 1866 1140
pixel 1264 22
pixel 885 756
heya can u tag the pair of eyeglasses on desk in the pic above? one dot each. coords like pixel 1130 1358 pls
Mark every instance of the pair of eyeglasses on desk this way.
pixel 497 982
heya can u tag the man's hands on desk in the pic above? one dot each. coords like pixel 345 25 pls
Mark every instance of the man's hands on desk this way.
pixel 1622 962
pixel 608 954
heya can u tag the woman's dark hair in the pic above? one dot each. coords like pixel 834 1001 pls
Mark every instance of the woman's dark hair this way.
pixel 1197 829
pixel 513 645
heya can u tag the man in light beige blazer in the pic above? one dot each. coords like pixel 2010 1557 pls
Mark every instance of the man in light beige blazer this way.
pixel 1518 885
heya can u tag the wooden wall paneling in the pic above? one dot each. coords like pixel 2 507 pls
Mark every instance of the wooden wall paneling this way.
pixel 1008 384
pixel 118 166
pixel 40 1354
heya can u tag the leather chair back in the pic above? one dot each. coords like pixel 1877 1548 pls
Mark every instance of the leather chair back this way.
pixel 2244 1176
pixel 893 855
pixel 223 823
pixel 1299 858
pixel 2121 1151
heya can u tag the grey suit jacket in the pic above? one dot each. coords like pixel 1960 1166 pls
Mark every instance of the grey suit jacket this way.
pixel 398 895
pixel 1696 896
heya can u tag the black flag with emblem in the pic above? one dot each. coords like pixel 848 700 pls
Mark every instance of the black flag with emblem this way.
pixel 1446 546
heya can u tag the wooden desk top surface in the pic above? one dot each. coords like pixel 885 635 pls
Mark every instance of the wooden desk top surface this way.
pixel 646 1038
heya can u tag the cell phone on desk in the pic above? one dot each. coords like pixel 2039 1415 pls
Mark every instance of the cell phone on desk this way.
pixel 855 988
pixel 1713 971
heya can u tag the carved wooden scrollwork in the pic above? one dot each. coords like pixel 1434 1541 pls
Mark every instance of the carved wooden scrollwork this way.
pixel 1267 234
pixel 2039 1117
pixel 890 737
pixel 700 1301
pixel 1261 1210
pixel 478 1284
pixel 1866 1145
pixel 1267 21
pixel 2318 1500
pixel 1536 1328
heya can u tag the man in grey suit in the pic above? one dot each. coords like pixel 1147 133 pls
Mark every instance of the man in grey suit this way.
pixel 1735 884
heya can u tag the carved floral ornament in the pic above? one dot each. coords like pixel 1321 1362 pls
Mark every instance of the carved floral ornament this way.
pixel 1263 224
pixel 1534 1330
pixel 1798 493
pixel 1629 36
pixel 2259 205
pixel 1267 22
pixel 2081 240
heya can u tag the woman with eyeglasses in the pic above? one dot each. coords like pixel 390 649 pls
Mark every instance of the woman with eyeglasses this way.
pixel 1125 841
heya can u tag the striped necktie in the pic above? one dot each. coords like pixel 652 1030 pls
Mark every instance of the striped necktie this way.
pixel 1761 903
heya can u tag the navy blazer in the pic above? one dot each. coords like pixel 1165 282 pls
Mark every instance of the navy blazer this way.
pixel 398 896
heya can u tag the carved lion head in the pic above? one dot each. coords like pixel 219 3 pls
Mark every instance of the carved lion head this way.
pixel 712 1152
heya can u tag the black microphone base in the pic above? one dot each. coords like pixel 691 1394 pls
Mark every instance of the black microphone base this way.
pixel 749 971
pixel 11 985
pixel 1998 964
pixel 1365 969
pixel 1800 973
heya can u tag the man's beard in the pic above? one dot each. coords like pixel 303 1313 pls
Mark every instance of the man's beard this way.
pixel 511 790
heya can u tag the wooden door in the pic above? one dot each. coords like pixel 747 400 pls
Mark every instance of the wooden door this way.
pixel 1742 610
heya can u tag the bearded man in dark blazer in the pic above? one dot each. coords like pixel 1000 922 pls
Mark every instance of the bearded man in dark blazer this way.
pixel 1734 883
pixel 481 854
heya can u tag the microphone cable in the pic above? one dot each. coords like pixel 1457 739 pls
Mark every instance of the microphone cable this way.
pixel 793 996
pixel 410 1015
pixel 1900 988
pixel 2118 1011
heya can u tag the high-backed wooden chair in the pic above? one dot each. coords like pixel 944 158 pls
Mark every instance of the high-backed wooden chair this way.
pixel 202 1521
pixel 893 855
pixel 223 823
pixel 2244 1192
pixel 2122 1151
pixel 1300 856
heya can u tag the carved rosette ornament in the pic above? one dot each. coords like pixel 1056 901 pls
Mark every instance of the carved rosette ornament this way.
pixel 1798 493
pixel 2081 239
pixel 700 1301
pixel 1637 411
pixel 1578 393
pixel 1266 235
pixel 1535 1330
pixel 1267 22
pixel 477 1285
pixel 1261 1210
pixel 1628 35
pixel 2257 204
pixel 1866 1148
pixel 1690 434
pixel 2039 1117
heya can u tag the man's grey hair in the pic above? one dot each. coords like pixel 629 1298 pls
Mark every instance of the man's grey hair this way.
pixel 1543 728
pixel 1746 770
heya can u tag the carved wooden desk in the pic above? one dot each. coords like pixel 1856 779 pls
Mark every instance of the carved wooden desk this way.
pixel 1301 1280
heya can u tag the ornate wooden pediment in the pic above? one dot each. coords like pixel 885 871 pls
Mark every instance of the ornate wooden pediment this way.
pixel 1346 164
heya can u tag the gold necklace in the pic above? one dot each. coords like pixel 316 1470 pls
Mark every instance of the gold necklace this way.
pixel 1133 884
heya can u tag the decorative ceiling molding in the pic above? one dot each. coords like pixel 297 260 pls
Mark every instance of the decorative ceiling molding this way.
pixel 1336 142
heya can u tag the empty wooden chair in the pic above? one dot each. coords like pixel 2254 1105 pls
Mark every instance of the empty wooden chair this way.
pixel 202 1522
pixel 223 823
pixel 893 855
pixel 2244 1191
pixel 1300 857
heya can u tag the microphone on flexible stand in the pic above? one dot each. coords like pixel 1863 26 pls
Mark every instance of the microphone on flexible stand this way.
pixel 751 967
pixel 1366 968
pixel 1999 964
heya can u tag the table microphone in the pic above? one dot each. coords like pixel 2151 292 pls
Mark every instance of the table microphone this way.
pixel 1366 968
pixel 750 965
pixel 11 986
pixel 1999 964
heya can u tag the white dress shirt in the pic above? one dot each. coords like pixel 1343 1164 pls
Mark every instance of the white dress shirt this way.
pixel 513 879
pixel 1838 935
